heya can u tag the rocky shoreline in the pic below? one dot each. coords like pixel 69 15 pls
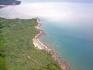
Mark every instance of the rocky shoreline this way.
pixel 39 45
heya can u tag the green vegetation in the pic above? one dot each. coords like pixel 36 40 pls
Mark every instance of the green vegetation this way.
pixel 17 51
pixel 2 56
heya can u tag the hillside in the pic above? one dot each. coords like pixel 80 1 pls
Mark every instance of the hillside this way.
pixel 17 51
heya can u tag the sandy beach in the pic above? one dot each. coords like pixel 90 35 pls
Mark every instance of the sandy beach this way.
pixel 39 45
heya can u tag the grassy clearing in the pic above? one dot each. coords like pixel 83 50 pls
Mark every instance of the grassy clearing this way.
pixel 16 49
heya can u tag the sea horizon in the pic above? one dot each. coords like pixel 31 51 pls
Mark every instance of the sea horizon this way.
pixel 68 28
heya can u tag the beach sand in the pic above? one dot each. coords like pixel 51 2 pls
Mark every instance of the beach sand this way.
pixel 39 45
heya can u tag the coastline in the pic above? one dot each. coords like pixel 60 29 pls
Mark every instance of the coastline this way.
pixel 39 45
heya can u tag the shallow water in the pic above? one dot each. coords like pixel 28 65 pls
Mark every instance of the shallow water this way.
pixel 68 27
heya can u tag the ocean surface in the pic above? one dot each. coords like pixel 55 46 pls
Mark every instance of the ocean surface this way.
pixel 68 28
pixel 71 44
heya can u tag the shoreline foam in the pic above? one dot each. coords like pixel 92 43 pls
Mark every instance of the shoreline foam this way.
pixel 39 45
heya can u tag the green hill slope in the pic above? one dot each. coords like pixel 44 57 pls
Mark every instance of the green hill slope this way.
pixel 17 51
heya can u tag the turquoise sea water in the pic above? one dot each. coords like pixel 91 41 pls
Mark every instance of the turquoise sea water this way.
pixel 71 43
pixel 68 28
